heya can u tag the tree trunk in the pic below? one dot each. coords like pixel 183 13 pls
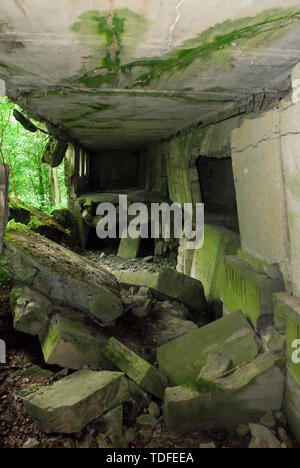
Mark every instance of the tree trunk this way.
pixel 55 189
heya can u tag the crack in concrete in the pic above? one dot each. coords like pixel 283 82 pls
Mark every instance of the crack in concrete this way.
pixel 277 136
pixel 170 38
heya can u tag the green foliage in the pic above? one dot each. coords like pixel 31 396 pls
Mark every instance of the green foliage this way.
pixel 30 179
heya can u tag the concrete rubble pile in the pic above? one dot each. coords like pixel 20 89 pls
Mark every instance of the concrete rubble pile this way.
pixel 214 375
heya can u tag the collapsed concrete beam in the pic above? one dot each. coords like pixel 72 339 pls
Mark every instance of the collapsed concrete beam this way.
pixel 140 371
pixel 182 360
pixel 62 275
pixel 70 404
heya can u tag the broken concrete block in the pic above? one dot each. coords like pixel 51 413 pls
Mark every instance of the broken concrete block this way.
pixel 263 433
pixel 182 360
pixel 30 309
pixel 208 262
pixel 292 405
pixel 142 303
pixel 140 371
pixel 70 404
pixel 268 420
pixel 113 421
pixel 129 248
pixel 226 402
pixel 215 366
pixel 70 342
pixel 61 274
pixel 249 291
pixel 169 284
pixel 283 304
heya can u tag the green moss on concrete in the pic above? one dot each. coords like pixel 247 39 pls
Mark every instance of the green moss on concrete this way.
pixel 104 31
pixel 216 45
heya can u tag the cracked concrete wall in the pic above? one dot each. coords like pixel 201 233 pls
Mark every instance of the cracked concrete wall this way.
pixel 265 153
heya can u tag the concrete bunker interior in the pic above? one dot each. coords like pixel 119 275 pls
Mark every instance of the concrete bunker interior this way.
pixel 163 103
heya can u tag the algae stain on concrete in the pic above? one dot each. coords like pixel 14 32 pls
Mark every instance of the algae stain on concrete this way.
pixel 218 45
pixel 108 35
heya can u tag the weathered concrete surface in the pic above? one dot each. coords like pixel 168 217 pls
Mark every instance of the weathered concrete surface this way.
pixel 208 262
pixel 140 371
pixel 147 84
pixel 259 182
pixel 69 342
pixel 169 283
pixel 233 400
pixel 70 404
pixel 249 291
pixel 182 360
pixel 62 275
pixel 31 310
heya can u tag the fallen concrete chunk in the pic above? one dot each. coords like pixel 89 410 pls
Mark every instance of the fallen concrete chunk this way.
pixel 263 433
pixel 30 310
pixel 182 360
pixel 140 371
pixel 216 365
pixel 169 284
pixel 249 291
pixel 208 262
pixel 61 274
pixel 226 402
pixel 142 303
pixel 69 342
pixel 129 248
pixel 70 404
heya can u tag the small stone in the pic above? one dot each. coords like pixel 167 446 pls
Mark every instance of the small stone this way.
pixel 84 445
pixel 216 366
pixel 31 443
pixel 147 420
pixel 148 259
pixel 282 434
pixel 113 421
pixel 283 446
pixel 281 418
pixel 257 443
pixel 208 445
pixel 101 441
pixel 102 255
pixel 131 434
pixel 243 430
pixel 263 433
pixel 154 409
pixel 268 420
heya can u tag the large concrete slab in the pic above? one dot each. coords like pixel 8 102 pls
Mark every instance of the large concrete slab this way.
pixel 182 360
pixel 61 275
pixel 241 398
pixel 70 404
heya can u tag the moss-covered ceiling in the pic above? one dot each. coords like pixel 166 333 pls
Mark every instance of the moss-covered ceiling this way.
pixel 123 73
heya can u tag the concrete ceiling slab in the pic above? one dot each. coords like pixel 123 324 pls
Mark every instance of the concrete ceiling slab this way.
pixel 124 73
